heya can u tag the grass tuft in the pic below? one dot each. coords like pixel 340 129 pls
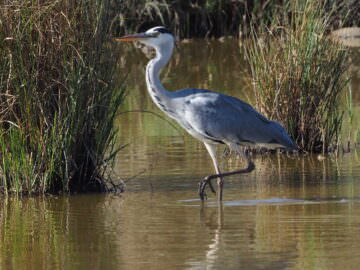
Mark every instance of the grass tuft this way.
pixel 57 96
pixel 298 75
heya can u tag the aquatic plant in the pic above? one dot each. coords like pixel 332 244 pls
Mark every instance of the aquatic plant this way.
pixel 213 18
pixel 57 96
pixel 191 18
pixel 298 75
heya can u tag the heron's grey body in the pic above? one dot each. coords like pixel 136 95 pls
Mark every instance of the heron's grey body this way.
pixel 217 118
pixel 210 117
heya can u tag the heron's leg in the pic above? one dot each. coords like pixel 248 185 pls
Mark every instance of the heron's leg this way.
pixel 250 165
pixel 211 148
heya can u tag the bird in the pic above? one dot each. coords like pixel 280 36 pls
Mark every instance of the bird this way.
pixel 211 117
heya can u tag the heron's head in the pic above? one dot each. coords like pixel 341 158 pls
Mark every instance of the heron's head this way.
pixel 154 37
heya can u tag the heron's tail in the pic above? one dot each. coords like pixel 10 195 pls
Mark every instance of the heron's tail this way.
pixel 283 138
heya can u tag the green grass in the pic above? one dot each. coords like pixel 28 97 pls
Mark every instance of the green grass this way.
pixel 57 96
pixel 298 75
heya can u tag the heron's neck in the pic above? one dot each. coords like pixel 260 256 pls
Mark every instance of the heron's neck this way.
pixel 158 93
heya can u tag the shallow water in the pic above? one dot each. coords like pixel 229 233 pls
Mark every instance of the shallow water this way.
pixel 292 212
pixel 304 220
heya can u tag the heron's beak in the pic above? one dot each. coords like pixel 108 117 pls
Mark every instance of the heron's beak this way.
pixel 134 37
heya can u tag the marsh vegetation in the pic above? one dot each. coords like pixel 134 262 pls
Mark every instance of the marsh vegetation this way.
pixel 57 96
pixel 299 75
pixel 211 18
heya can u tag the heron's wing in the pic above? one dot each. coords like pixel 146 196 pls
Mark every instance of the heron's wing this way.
pixel 244 107
pixel 227 119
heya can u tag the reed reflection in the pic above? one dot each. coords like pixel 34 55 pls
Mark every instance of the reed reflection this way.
pixel 55 233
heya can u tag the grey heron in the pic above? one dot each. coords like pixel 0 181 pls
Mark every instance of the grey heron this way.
pixel 211 117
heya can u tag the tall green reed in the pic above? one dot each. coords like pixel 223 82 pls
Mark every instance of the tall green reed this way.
pixel 57 95
pixel 298 75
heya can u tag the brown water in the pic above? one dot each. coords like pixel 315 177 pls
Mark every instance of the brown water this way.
pixel 292 212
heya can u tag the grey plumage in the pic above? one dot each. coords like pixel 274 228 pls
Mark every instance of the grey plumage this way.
pixel 216 117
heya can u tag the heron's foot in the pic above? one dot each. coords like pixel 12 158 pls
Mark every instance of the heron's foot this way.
pixel 202 186
pixel 208 180
pixel 202 193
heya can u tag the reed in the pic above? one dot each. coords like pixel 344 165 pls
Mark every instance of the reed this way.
pixel 298 75
pixel 57 96
pixel 189 18
pixel 213 18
